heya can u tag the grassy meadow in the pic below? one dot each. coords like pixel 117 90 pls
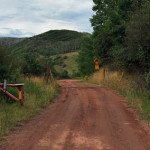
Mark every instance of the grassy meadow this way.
pixel 37 95
pixel 69 63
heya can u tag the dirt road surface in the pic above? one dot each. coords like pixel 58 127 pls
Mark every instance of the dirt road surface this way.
pixel 83 117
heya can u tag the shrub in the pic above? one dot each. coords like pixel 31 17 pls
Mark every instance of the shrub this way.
pixel 65 57
pixel 147 78
pixel 7 99
pixel 64 74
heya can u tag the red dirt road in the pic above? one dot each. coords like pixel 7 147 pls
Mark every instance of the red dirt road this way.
pixel 83 117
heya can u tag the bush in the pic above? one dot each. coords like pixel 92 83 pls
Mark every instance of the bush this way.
pixel 64 65
pixel 7 99
pixel 75 74
pixel 58 61
pixel 138 40
pixel 86 56
pixel 4 64
pixel 10 68
pixel 65 57
pixel 64 74
pixel 147 78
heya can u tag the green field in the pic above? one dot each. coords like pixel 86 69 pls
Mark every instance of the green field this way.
pixel 67 62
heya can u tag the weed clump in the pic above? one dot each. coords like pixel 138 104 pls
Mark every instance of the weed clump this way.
pixel 37 95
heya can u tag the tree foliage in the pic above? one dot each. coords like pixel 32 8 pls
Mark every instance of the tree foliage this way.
pixel 86 56
pixel 32 65
pixel 121 39
pixel 138 39
pixel 4 65
pixel 10 68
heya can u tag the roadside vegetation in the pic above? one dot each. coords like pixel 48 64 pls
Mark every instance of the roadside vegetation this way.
pixel 37 92
pixel 127 85
pixel 37 95
pixel 122 43
pixel 23 59
pixel 120 40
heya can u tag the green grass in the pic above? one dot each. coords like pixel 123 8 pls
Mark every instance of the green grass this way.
pixel 37 96
pixel 138 98
pixel 70 62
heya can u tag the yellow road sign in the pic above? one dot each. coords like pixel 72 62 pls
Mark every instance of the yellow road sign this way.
pixel 97 61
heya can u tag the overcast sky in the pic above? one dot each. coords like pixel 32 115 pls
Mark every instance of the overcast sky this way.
pixel 21 18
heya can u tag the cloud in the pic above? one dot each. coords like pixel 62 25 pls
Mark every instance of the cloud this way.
pixel 8 32
pixel 27 18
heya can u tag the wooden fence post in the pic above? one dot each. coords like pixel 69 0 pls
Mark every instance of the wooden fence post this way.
pixel 104 72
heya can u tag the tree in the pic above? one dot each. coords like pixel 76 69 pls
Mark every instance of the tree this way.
pixel 86 56
pixel 109 24
pixel 110 30
pixel 138 40
pixel 10 68
pixel 31 64
pixel 4 65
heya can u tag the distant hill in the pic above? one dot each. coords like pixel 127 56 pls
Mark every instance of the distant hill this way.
pixel 8 41
pixel 50 43
pixel 66 62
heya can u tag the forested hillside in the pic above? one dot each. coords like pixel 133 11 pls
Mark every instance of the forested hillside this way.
pixel 50 43
pixel 32 55
pixel 8 41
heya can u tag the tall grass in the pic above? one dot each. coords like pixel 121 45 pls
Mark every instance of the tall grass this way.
pixel 37 95
pixel 137 97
